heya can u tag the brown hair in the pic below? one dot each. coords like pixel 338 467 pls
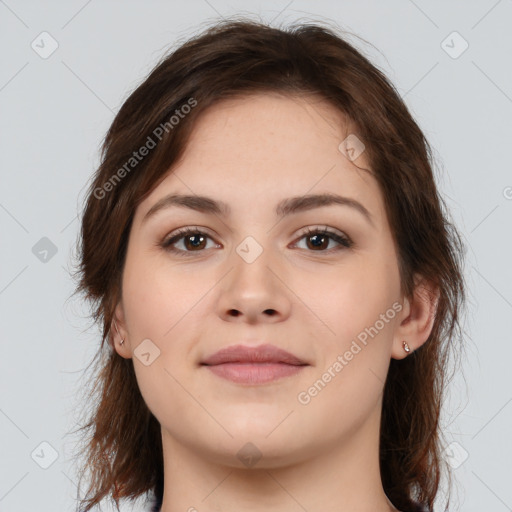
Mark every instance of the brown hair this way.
pixel 236 58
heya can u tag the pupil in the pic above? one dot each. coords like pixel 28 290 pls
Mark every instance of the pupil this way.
pixel 318 239
pixel 199 241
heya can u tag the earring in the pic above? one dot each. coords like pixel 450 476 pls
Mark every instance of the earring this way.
pixel 406 346
pixel 122 340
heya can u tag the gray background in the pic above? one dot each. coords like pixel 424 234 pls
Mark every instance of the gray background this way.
pixel 55 112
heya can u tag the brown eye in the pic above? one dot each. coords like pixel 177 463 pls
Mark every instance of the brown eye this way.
pixel 196 241
pixel 318 240
pixel 191 240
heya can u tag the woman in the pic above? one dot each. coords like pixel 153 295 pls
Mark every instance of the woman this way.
pixel 272 264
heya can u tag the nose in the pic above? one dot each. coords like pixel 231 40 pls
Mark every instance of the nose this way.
pixel 254 292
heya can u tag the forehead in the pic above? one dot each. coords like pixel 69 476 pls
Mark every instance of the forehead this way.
pixel 265 125
pixel 265 147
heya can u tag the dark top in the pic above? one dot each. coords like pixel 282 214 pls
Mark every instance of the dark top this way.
pixel 156 504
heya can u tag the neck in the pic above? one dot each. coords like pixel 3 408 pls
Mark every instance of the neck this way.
pixel 342 475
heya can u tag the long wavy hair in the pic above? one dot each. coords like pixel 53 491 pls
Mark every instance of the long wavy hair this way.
pixel 121 438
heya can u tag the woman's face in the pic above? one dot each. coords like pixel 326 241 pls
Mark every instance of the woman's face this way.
pixel 262 272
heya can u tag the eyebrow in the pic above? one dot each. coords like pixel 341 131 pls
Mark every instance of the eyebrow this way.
pixel 284 208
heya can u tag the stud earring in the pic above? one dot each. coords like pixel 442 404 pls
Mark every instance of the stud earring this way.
pixel 122 340
pixel 406 346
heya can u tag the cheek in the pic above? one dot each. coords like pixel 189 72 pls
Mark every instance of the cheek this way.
pixel 355 355
pixel 352 298
pixel 351 306
pixel 156 296
pixel 159 305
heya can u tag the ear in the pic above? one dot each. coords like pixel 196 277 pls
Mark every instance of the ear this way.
pixel 416 318
pixel 120 333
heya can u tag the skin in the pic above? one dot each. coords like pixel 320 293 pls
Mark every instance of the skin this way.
pixel 320 456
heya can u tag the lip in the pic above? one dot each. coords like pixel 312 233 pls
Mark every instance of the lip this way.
pixel 253 365
pixel 265 353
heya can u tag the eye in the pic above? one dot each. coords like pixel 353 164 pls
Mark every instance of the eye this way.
pixel 194 240
pixel 318 239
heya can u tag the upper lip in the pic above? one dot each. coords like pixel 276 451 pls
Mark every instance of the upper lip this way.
pixel 261 354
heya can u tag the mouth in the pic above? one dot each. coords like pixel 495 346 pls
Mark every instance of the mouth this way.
pixel 254 365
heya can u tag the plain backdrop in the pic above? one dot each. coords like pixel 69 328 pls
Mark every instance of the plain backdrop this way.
pixel 66 67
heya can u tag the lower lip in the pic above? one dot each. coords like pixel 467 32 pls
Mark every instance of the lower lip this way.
pixel 249 373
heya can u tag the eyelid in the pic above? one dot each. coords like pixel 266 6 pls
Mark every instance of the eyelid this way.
pixel 189 229
pixel 320 228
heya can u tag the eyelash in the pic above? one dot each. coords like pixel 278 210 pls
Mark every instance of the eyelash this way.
pixel 167 244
